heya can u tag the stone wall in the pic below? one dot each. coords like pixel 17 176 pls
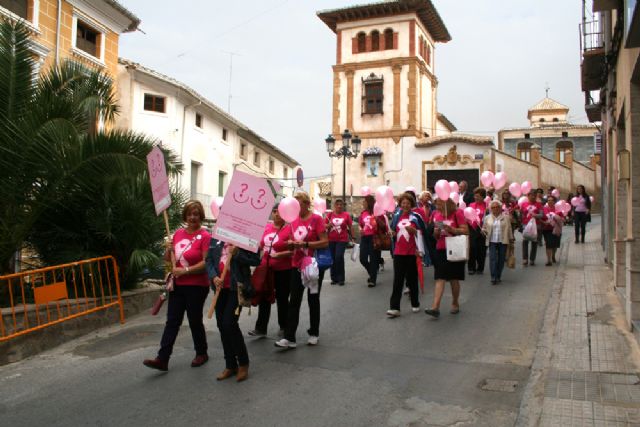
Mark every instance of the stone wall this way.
pixel 517 170
pixel 555 174
pixel 35 342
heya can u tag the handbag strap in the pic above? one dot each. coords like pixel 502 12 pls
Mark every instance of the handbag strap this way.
pixel 188 246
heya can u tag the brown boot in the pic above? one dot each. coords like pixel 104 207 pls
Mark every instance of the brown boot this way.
pixel 243 373
pixel 227 373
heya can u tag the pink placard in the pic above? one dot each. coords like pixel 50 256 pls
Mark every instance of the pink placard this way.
pixel 159 180
pixel 245 211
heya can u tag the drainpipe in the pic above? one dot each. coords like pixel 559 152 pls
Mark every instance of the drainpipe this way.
pixel 58 32
pixel 386 181
pixel 184 119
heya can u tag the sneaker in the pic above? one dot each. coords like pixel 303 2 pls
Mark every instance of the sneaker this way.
pixel 313 340
pixel 406 290
pixel 415 309
pixel 257 333
pixel 371 284
pixel 285 343
pixel 393 313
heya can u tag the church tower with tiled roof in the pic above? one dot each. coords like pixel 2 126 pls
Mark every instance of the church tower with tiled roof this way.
pixel 385 90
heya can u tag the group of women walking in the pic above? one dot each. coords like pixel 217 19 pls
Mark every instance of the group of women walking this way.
pixel 415 234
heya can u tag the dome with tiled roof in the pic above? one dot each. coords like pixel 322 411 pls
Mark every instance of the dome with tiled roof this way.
pixel 547 111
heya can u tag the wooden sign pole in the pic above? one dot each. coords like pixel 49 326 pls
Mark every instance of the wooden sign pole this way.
pixel 217 294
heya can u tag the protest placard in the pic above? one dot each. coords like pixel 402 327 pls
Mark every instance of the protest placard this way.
pixel 245 210
pixel 159 180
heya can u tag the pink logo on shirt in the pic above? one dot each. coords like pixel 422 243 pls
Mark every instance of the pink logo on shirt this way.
pixel 337 224
pixel 180 249
pixel 402 225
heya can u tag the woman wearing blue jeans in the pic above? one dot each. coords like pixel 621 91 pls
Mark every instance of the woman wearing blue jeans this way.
pixel 498 233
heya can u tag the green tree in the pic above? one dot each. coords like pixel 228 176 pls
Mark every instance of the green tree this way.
pixel 70 190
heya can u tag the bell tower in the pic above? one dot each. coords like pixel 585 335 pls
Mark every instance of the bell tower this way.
pixel 384 81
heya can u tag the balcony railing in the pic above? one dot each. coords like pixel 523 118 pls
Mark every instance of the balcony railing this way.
pixel 591 37
pixel 593 65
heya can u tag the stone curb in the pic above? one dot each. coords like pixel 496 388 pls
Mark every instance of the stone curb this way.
pixel 19 348
pixel 533 395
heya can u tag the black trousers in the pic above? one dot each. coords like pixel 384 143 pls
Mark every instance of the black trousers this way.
pixel 295 301
pixel 404 268
pixel 580 225
pixel 235 350
pixel 190 299
pixel 477 250
pixel 369 257
pixel 283 285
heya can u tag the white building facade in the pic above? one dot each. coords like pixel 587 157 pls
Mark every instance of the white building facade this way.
pixel 210 143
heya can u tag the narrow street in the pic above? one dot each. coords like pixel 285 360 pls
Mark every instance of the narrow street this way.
pixel 368 370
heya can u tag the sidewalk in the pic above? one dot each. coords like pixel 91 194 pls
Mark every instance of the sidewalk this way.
pixel 585 372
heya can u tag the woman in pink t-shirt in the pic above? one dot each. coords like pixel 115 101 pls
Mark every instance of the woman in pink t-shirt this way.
pixel 189 247
pixel 552 229
pixel 369 256
pixel 447 220
pixel 308 234
pixel 408 244
pixel 531 209
pixel 581 213
pixel 339 225
pixel 276 255
pixel 477 242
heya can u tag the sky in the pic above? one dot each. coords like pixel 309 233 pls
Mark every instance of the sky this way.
pixel 502 55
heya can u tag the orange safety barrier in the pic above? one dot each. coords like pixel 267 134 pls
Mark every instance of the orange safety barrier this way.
pixel 48 296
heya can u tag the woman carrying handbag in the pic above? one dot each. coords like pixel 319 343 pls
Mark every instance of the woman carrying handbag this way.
pixel 276 263
pixel 189 293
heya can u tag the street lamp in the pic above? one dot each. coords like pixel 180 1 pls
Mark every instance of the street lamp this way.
pixel 349 150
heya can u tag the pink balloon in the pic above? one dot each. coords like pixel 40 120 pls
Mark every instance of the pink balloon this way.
pixel 593 199
pixel 555 193
pixel 384 193
pixel 365 191
pixel 487 200
pixel 470 214
pixel 575 201
pixel 515 189
pixel 487 178
pixel 320 205
pixel 388 205
pixel 462 204
pixel 521 200
pixel 411 189
pixel 215 209
pixel 499 180
pixel 525 187
pixel 378 209
pixel 566 207
pixel 454 187
pixel 455 196
pixel 443 189
pixel 560 206
pixel 289 209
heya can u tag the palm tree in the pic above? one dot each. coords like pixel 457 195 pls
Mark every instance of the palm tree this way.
pixel 70 190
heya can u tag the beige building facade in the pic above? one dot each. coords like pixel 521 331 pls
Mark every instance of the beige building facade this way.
pixel 610 77
pixel 385 92
pixel 85 31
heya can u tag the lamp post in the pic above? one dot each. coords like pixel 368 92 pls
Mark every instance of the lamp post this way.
pixel 349 150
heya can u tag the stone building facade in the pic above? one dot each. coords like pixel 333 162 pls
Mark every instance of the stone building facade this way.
pixel 556 137
pixel 610 77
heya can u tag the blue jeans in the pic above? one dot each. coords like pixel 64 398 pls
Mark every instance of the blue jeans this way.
pixel 497 253
pixel 337 268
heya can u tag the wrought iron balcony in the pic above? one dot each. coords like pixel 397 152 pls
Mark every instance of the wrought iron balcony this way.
pixel 593 65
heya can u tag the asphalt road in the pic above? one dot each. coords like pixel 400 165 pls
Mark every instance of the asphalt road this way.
pixel 368 370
